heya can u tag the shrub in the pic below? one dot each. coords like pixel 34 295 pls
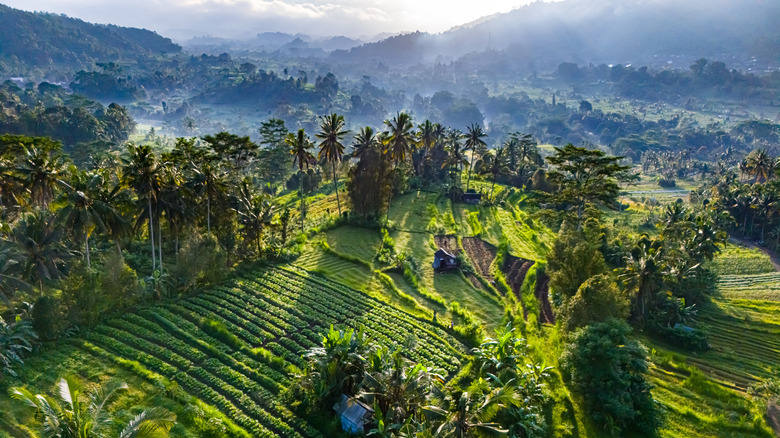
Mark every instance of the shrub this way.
pixel 685 337
pixel 607 369
pixel 46 318
pixel 200 262
pixel 597 300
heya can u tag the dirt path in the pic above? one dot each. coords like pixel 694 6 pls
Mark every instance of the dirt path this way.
pixel 773 256
pixel 773 417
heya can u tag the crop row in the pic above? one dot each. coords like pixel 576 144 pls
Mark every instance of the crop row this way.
pixel 749 280
pixel 215 382
pixel 432 332
pixel 379 321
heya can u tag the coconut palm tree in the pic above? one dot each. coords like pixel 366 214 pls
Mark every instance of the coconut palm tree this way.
pixel 140 171
pixel 72 417
pixel 255 213
pixel 399 143
pixel 299 147
pixel 761 165
pixel 494 164
pixel 331 150
pixel 427 135
pixel 363 142
pixel 10 271
pixel 473 141
pixel 207 179
pixel 40 170
pixel 643 272
pixel 38 238
pixel 84 210
pixel 455 159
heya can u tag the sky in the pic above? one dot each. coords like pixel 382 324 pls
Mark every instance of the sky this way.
pixel 182 19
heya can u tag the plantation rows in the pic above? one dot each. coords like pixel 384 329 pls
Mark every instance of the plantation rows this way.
pixel 741 281
pixel 231 346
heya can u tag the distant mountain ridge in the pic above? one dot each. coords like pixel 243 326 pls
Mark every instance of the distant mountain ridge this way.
pixel 44 40
pixel 653 32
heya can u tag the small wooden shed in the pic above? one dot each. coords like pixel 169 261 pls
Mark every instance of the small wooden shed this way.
pixel 354 414
pixel 471 197
pixel 444 261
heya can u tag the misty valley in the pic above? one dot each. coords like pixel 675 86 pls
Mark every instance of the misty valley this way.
pixel 559 220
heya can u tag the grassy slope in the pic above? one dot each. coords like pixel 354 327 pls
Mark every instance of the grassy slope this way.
pixel 704 394
pixel 284 311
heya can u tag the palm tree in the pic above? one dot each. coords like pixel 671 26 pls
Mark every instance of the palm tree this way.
pixel 473 141
pixel 140 170
pixel 495 163
pixel 528 156
pixel 399 143
pixel 398 388
pixel 9 272
pixel 40 170
pixel 299 147
pixel 643 272
pixel 84 210
pixel 255 213
pixel 427 135
pixel 364 142
pixel 331 149
pixel 207 179
pixel 456 159
pixel 71 417
pixel 39 240
pixel 761 165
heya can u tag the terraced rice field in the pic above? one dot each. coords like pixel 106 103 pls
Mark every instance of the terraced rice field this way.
pixel 704 394
pixel 283 311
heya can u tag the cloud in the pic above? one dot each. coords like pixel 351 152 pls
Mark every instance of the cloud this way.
pixel 240 18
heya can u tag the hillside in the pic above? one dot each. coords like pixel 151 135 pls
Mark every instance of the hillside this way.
pixel 49 41
pixel 539 36
pixel 232 347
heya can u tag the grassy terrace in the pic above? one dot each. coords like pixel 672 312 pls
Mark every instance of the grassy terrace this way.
pixel 704 394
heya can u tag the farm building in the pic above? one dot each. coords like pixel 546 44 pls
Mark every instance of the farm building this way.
pixel 354 414
pixel 442 261
pixel 472 197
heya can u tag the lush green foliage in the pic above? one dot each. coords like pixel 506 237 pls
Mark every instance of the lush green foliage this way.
pixel 607 369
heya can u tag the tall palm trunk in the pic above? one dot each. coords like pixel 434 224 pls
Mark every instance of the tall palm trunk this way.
pixel 468 181
pixel 390 196
pixel 159 242
pixel 151 235
pixel 336 184
pixel 300 186
pixel 86 249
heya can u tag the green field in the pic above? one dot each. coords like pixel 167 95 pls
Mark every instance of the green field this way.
pixel 232 347
pixel 704 394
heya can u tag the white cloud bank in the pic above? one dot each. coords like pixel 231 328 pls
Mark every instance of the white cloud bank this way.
pixel 182 19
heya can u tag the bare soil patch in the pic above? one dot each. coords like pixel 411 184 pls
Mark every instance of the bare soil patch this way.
pixel 542 293
pixel 480 253
pixel 515 270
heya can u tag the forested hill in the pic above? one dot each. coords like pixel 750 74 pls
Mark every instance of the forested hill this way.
pixel 541 35
pixel 44 40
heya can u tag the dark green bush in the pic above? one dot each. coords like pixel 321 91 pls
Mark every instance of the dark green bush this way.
pixel 607 368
